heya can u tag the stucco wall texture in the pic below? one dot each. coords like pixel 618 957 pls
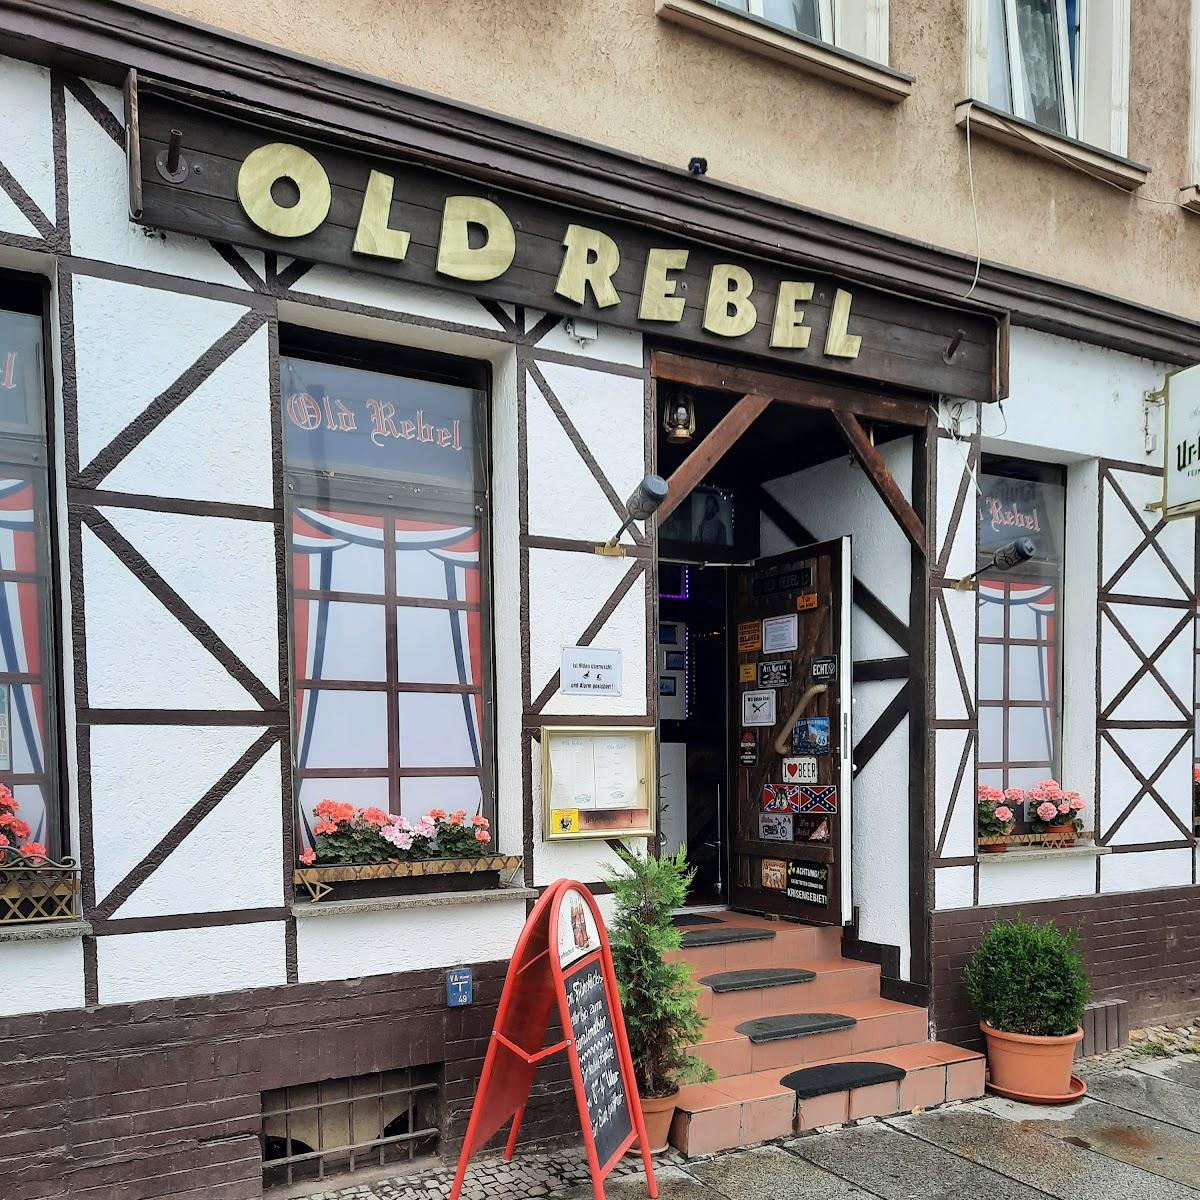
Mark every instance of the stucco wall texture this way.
pixel 611 72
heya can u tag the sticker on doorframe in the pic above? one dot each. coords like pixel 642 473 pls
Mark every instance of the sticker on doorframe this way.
pixel 746 673
pixel 774 672
pixel 748 750
pixel 818 799
pixel 774 874
pixel 780 798
pixel 804 603
pixel 758 708
pixel 749 637
pixel 825 668
pixel 775 827
pixel 779 634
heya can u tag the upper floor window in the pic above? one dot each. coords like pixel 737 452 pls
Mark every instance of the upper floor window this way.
pixel 1062 65
pixel 387 511
pixel 28 688
pixel 1032 60
pixel 811 17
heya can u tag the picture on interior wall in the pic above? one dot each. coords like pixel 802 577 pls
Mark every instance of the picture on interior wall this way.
pixel 706 518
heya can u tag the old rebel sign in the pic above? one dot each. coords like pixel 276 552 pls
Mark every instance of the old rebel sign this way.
pixel 562 961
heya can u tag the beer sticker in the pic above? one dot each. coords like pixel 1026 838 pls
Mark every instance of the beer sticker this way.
pixel 748 750
pixel 800 770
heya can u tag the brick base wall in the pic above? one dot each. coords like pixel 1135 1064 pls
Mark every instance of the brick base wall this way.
pixel 1143 947
pixel 163 1098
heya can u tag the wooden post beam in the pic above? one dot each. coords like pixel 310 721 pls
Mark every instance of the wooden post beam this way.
pixel 882 479
pixel 701 460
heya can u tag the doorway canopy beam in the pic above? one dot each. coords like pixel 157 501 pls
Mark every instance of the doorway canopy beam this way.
pixel 693 469
pixel 882 480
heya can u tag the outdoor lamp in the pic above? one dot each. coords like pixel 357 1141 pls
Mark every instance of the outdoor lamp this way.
pixel 1004 559
pixel 679 420
pixel 644 502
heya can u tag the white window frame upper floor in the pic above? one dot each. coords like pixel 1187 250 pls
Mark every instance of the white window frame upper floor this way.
pixel 851 44
pixel 1190 192
pixel 1094 88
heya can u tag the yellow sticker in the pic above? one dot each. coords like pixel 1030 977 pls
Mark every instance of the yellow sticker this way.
pixel 564 820
pixel 749 637
pixel 746 673
pixel 806 602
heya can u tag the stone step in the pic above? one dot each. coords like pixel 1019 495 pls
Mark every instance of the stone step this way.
pixel 813 985
pixel 855 1026
pixel 769 944
pixel 744 1110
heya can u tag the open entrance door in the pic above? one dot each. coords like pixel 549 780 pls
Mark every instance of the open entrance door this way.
pixel 790 676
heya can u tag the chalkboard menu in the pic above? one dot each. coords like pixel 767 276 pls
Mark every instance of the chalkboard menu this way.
pixel 596 1046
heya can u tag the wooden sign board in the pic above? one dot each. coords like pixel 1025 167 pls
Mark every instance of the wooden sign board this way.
pixel 260 180
pixel 562 960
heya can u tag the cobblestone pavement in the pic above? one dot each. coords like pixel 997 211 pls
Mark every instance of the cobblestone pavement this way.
pixel 1136 1136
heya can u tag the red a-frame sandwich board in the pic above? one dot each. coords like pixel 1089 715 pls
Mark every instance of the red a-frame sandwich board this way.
pixel 562 958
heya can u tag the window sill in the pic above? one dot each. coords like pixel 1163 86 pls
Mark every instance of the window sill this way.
pixel 1019 134
pixel 805 53
pixel 343 908
pixel 1030 853
pixel 1189 198
pixel 44 931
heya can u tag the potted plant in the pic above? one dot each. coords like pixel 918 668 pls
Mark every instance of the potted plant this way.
pixel 1028 985
pixel 1057 812
pixel 995 817
pixel 658 996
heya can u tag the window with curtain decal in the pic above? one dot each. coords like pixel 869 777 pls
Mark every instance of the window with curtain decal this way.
pixel 387 502
pixel 28 699
pixel 1020 624
pixel 1033 60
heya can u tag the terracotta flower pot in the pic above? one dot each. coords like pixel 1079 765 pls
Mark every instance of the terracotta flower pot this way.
pixel 657 1112
pixel 1064 831
pixel 993 848
pixel 1034 1069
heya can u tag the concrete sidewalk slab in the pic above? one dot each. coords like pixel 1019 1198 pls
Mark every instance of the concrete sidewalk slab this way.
pixel 1020 1151
pixel 771 1171
pixel 888 1163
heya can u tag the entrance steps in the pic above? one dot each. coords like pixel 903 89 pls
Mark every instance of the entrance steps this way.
pixel 800 1038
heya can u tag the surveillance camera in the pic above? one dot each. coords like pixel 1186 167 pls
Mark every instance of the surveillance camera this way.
pixel 698 166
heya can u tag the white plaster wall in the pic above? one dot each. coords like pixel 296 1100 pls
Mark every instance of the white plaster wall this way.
pixel 954 887
pixel 833 499
pixel 38 976
pixel 185 962
pixel 375 943
pixel 1011 882
pixel 28 142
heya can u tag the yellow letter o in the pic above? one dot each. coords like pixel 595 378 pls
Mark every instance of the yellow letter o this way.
pixel 279 160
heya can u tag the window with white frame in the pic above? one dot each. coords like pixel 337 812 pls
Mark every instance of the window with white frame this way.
pixel 1062 65
pixel 859 26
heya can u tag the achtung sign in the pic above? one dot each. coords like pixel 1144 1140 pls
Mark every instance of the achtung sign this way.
pixel 272 188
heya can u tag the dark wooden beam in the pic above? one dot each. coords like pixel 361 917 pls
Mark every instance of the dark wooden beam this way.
pixel 695 372
pixel 882 480
pixel 710 451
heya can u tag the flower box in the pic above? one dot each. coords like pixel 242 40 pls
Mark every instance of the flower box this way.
pixel 1067 837
pixel 362 880
pixel 38 890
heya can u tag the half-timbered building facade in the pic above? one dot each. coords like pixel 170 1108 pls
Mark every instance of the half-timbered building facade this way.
pixel 321 400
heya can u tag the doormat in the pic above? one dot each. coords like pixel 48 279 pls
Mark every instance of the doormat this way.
pixel 679 920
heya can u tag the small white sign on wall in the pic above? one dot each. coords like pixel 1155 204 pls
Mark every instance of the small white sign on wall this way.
pixel 1181 479
pixel 588 671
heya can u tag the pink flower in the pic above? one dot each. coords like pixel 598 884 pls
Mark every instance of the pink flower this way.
pixel 1047 811
pixel 325 826
pixel 1076 802
pixel 308 857
pixel 1014 795
pixel 3 841
pixel 1051 789
pixel 374 816
pixel 482 837
pixel 33 850
pixel 1064 808
pixel 1004 813
pixel 425 828
pixel 480 822
pixel 437 814
pixel 400 836
pixel 8 799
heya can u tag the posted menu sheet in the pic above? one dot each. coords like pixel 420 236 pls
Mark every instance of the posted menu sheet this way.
pixel 595 773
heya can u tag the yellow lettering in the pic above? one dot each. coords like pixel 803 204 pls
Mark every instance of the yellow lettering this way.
pixel 373 235
pixel 590 259
pixel 457 257
pixel 728 310
pixel 787 330
pixel 659 302
pixel 259 173
pixel 838 342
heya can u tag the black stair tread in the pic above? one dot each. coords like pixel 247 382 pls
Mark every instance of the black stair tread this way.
pixel 680 920
pixel 794 1025
pixel 840 1077
pixel 759 977
pixel 724 935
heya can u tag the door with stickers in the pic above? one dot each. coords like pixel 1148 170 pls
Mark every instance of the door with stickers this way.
pixel 790 670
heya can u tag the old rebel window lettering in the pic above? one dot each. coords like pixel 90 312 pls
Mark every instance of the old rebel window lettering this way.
pixel 28 724
pixel 1019 645
pixel 386 509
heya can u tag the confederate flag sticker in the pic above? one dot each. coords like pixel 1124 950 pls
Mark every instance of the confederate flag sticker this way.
pixel 780 798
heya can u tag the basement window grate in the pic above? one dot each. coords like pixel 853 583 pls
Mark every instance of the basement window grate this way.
pixel 338 1126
